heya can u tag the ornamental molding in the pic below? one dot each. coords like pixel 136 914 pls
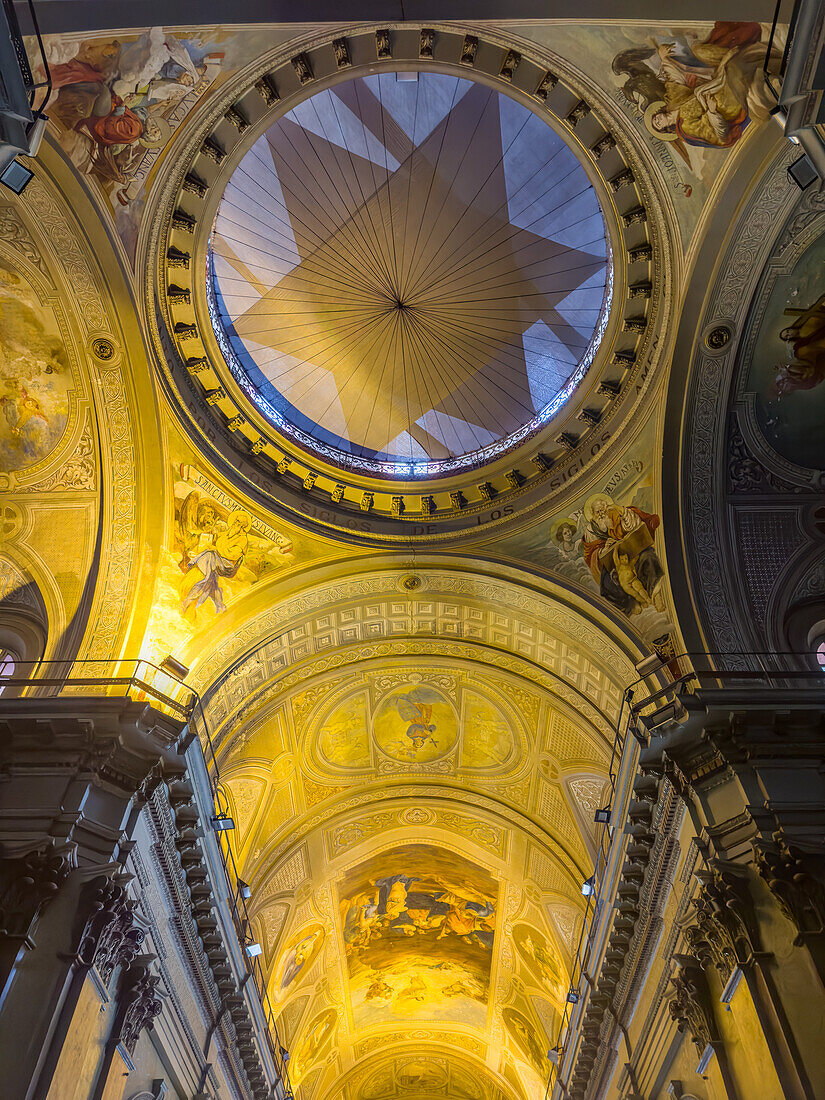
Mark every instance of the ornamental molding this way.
pixel 707 466
pixel 240 441
pixel 266 641
pixel 442 798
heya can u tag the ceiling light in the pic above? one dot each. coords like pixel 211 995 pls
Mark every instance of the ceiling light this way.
pixel 588 886
pixel 602 817
pixel 573 996
pixel 244 889
pixel 222 822
pixel 253 950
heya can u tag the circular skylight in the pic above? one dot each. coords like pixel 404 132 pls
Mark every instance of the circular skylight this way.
pixel 409 273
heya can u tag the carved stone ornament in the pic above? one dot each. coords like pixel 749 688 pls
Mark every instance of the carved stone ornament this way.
pixel 102 902
pixel 718 337
pixel 33 882
pixel 104 349
pixel 790 877
pixel 139 1001
pixel 119 942
pixel 690 1006
pixel 726 933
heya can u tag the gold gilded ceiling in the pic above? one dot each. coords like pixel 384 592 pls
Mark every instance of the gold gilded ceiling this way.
pixel 412 685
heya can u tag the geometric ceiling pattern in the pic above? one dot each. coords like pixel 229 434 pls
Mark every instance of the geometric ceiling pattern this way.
pixel 410 272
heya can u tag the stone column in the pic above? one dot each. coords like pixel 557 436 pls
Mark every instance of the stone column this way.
pixel 74 773
pixel 754 780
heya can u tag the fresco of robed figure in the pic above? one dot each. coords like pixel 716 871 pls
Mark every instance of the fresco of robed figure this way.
pixel 296 961
pixel 415 724
pixel 35 377
pixel 418 925
pixel 786 372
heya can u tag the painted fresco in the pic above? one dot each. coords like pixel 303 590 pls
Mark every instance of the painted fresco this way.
pixel 220 549
pixel 697 90
pixel 539 958
pixel 215 552
pixel 787 369
pixel 35 376
pixel 610 542
pixel 418 925
pixel 415 724
pixel 312 1044
pixel 693 91
pixel 343 740
pixel 488 739
pixel 296 961
pixel 527 1040
pixel 119 98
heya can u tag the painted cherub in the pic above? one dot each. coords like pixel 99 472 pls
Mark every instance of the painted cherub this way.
pixel 628 579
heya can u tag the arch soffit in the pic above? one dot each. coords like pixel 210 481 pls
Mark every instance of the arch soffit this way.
pixel 700 539
pixel 65 251
pixel 252 639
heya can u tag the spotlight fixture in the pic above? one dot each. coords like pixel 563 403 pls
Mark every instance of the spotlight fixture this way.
pixel 588 886
pixel 573 996
pixel 602 817
pixel 174 668
pixel 253 950
pixel 16 177
pixel 244 889
pixel 222 822
pixel 284 1055
pixel 649 665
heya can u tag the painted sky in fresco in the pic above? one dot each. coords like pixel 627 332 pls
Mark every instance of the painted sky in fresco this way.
pixel 418 925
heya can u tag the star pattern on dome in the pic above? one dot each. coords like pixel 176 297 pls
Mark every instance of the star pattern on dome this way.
pixel 431 294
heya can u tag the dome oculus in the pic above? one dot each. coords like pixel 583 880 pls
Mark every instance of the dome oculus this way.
pixel 409 273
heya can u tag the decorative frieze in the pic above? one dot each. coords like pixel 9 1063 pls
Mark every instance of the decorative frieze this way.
pixel 303 68
pixel 512 60
pixel 469 50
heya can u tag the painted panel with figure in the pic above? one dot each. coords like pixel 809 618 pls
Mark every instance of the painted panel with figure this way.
pixel 527 1040
pixel 312 1044
pixel 416 723
pixel 119 97
pixel 215 552
pixel 787 369
pixel 35 376
pixel 418 925
pixel 693 91
pixel 296 961
pixel 541 961
pixel 610 541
